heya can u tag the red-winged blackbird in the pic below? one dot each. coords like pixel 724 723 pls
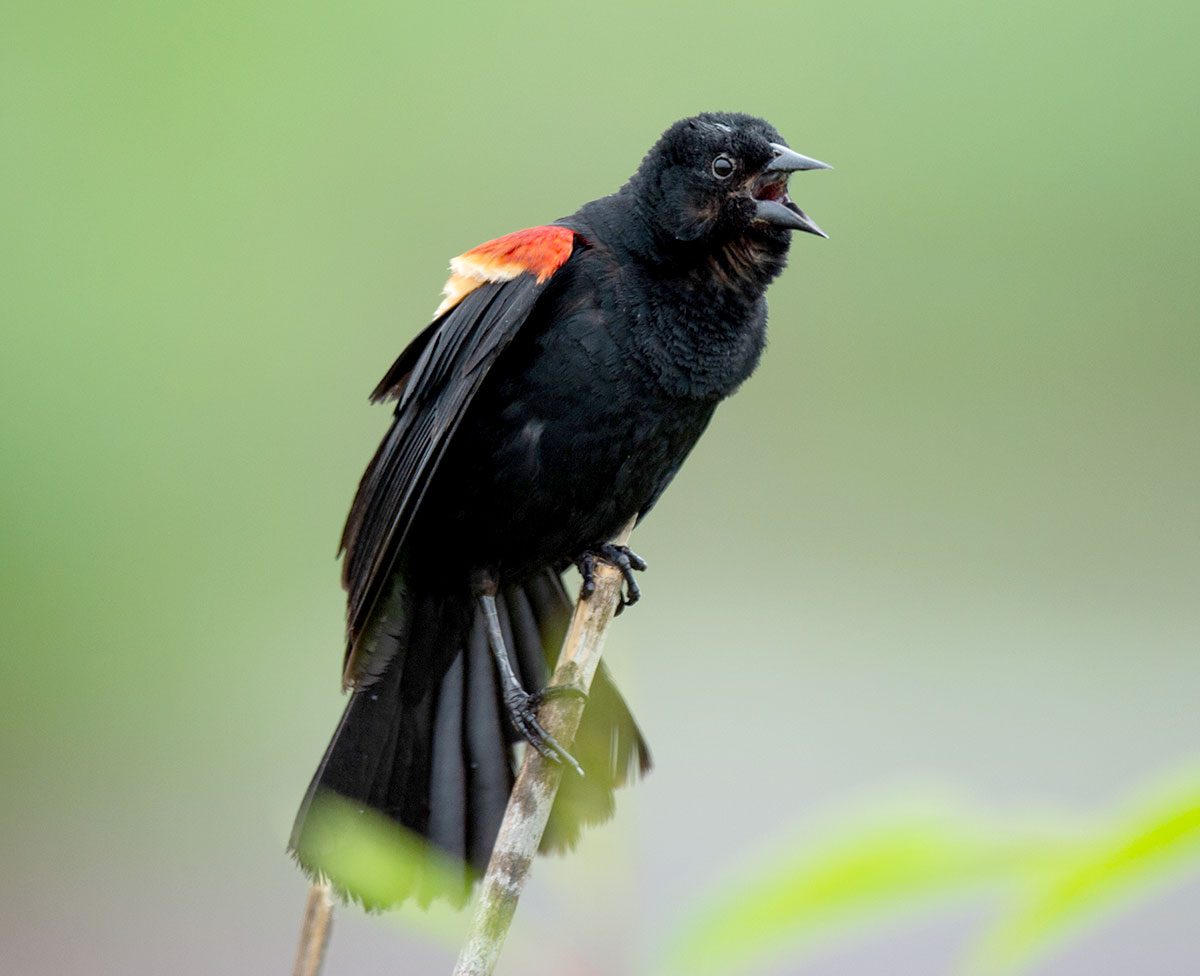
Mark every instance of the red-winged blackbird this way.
pixel 564 379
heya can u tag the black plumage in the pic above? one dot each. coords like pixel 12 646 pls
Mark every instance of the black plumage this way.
pixel 553 402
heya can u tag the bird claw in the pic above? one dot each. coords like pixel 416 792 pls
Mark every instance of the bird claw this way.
pixel 522 712
pixel 624 559
pixel 557 691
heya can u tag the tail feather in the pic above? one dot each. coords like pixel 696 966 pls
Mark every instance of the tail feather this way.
pixel 610 747
pixel 427 744
pixel 489 755
pixel 447 825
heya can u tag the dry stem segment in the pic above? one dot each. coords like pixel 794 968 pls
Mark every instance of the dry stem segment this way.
pixel 314 932
pixel 537 782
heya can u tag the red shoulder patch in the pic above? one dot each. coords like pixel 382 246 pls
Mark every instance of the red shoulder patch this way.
pixel 536 250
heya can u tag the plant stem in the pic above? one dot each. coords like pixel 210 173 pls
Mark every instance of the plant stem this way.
pixel 314 932
pixel 537 783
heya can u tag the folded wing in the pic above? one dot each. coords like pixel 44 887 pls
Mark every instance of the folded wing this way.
pixel 491 292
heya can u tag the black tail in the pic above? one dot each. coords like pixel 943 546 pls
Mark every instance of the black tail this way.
pixel 428 747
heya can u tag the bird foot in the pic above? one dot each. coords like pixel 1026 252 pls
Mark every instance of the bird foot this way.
pixel 522 712
pixel 624 559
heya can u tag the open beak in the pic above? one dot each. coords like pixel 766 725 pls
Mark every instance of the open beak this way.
pixel 772 204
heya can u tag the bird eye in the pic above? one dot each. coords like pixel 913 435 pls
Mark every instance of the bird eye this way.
pixel 722 167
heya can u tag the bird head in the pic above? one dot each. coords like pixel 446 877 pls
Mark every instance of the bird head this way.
pixel 721 176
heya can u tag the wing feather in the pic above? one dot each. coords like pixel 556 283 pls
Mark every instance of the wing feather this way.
pixel 434 384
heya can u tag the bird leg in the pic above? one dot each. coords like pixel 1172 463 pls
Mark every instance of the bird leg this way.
pixel 522 707
pixel 623 558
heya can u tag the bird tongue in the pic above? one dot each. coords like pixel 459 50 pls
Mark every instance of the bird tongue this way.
pixel 772 190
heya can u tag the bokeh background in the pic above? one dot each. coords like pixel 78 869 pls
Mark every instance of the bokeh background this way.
pixel 943 543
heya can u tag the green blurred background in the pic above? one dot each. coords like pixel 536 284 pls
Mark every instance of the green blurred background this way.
pixel 945 539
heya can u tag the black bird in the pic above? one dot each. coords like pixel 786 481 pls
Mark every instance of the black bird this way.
pixel 564 379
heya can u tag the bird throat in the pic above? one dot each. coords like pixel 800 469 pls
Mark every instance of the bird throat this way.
pixel 747 263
